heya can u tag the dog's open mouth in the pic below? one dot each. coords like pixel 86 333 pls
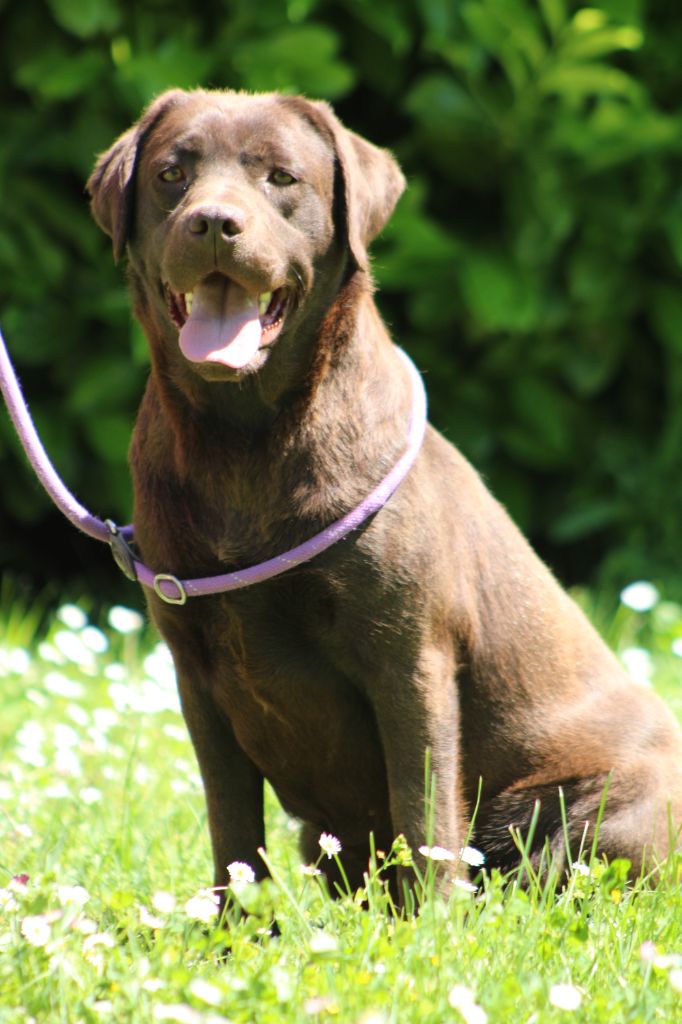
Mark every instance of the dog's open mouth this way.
pixel 221 322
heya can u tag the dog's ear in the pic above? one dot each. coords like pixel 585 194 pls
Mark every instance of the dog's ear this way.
pixel 111 186
pixel 371 181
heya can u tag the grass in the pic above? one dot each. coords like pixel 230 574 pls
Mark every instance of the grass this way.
pixel 104 852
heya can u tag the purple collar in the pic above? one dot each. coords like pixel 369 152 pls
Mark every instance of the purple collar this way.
pixel 169 588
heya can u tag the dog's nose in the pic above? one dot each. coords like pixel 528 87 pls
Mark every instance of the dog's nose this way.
pixel 219 221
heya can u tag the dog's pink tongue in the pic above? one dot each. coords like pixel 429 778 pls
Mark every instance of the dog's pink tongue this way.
pixel 223 326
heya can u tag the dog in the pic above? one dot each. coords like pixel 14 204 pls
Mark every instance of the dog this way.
pixel 275 403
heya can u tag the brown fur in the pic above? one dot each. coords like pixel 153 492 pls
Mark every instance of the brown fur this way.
pixel 434 627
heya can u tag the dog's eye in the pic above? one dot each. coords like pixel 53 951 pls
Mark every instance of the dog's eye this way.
pixel 280 177
pixel 172 175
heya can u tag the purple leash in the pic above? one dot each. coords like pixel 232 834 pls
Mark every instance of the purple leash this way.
pixel 169 588
pixel 37 455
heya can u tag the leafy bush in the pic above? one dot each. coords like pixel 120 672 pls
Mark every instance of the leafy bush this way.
pixel 532 267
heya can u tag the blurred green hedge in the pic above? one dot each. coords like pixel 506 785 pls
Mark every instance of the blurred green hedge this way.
pixel 532 268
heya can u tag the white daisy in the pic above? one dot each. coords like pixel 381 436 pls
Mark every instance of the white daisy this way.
pixel 565 997
pixel 471 856
pixel 241 872
pixel 203 906
pixel 125 620
pixel 72 895
pixel 461 998
pixel 36 929
pixel 640 596
pixel 330 845
pixel 164 902
pixel 436 853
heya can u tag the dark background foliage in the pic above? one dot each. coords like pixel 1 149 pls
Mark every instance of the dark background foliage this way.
pixel 532 268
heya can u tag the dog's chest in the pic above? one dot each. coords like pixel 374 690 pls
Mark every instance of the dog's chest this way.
pixel 286 671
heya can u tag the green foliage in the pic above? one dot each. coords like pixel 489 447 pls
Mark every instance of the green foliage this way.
pixel 532 267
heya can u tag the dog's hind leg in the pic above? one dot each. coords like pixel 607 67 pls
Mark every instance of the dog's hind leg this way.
pixel 634 815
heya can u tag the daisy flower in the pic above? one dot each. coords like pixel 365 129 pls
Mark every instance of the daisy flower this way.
pixel 330 845
pixel 164 902
pixel 203 906
pixel 438 853
pixel 640 596
pixel 36 929
pixel 565 997
pixel 471 856
pixel 241 872
pixel 461 998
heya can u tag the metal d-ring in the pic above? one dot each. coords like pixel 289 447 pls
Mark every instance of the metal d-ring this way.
pixel 164 577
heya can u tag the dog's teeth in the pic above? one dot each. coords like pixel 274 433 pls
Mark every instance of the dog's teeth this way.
pixel 189 299
pixel 264 302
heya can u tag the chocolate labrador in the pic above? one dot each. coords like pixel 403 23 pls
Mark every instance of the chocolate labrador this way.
pixel 276 402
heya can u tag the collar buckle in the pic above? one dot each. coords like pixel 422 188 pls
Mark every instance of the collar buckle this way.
pixel 121 551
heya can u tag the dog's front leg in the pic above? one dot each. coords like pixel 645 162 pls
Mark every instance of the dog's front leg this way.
pixel 418 720
pixel 232 783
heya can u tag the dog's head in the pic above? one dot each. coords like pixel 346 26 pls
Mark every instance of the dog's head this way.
pixel 236 211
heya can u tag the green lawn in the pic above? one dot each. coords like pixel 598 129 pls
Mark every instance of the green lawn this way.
pixel 104 853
